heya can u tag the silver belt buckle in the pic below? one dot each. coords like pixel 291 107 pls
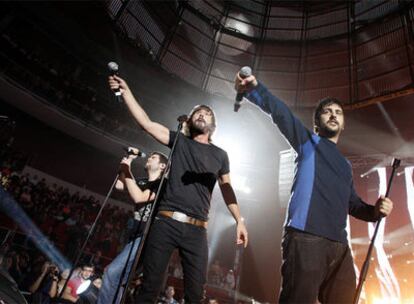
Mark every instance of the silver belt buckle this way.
pixel 179 216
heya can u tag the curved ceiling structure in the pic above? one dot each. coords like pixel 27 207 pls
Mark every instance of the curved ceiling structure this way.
pixel 303 50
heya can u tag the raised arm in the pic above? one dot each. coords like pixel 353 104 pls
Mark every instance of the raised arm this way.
pixel 156 130
pixel 135 192
pixel 36 284
pixel 290 126
pixel 231 202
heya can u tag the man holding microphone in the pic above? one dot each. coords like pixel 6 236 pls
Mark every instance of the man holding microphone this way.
pixel 317 261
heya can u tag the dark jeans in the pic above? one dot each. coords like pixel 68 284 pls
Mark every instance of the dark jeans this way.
pixel 316 268
pixel 165 235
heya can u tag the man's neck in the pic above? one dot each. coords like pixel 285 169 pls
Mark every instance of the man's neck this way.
pixel 334 139
pixel 154 175
pixel 201 138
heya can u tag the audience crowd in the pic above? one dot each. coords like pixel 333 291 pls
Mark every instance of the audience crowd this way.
pixel 63 80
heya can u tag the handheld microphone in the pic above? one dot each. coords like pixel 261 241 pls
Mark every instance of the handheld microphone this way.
pixel 113 70
pixel 244 72
pixel 130 151
pixel 182 118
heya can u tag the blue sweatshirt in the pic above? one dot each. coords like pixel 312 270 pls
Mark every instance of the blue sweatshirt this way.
pixel 323 192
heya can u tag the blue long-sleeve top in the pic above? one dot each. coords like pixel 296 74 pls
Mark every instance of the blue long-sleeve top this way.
pixel 323 192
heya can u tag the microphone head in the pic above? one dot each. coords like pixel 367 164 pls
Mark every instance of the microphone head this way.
pixel 245 71
pixel 130 151
pixel 182 118
pixel 113 67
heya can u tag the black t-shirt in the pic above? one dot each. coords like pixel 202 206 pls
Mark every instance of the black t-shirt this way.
pixel 195 168
pixel 142 211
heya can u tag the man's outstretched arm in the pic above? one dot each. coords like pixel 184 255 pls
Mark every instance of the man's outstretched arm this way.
pixel 290 126
pixel 156 130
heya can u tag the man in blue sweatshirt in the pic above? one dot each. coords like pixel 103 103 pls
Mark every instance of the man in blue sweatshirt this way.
pixel 317 261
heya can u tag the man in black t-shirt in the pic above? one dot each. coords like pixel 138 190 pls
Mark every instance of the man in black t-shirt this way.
pixel 182 216
pixel 142 192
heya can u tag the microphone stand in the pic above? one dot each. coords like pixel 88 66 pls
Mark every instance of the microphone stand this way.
pixel 133 242
pixel 181 119
pixel 364 271
pixel 90 232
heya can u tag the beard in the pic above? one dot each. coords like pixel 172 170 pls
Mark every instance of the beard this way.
pixel 326 131
pixel 199 127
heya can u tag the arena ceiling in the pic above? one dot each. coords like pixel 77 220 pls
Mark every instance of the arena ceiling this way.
pixel 358 51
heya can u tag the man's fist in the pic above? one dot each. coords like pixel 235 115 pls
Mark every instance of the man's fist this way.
pixel 117 83
pixel 383 206
pixel 244 84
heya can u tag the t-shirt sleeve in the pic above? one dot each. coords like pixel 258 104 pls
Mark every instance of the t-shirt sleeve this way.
pixel 225 164
pixel 173 134
pixel 153 187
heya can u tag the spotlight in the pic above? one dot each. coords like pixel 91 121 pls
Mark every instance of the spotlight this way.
pixel 400 173
pixel 367 173
pixel 87 292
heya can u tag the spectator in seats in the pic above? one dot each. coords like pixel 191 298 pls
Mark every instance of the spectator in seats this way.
pixel 230 280
pixel 213 301
pixel 25 197
pixel 97 261
pixel 70 292
pixel 215 275
pixel 42 282
pixel 6 262
pixel 168 297
pixel 57 285
pixel 97 282
pixel 178 271
pixel 20 267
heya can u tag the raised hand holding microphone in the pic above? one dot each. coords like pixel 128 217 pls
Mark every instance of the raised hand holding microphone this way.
pixel 125 165
pixel 244 82
pixel 134 152
pixel 113 70
pixel 117 84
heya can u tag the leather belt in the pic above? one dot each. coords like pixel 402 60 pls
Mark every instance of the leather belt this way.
pixel 184 218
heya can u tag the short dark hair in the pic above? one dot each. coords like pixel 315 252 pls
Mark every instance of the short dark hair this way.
pixel 322 103
pixel 163 158
pixel 88 265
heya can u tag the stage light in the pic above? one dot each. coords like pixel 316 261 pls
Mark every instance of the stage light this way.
pixel 88 293
pixel 390 300
pixel 409 186
pixel 400 173
pixel 82 287
pixel 367 173
pixel 12 209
